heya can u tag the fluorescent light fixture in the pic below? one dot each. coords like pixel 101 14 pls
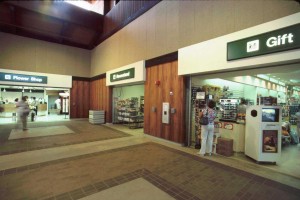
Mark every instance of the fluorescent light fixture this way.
pixel 65 94
pixel 263 76
pixel 273 80
pixel 82 4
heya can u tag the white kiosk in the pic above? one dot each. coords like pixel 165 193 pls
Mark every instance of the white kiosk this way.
pixel 263 133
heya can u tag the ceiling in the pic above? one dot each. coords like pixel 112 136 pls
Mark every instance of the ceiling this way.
pixel 52 21
pixel 66 24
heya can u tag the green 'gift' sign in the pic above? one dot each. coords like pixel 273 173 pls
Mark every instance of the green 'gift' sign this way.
pixel 284 39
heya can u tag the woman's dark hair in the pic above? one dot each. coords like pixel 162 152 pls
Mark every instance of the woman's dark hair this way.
pixel 211 104
pixel 243 101
pixel 24 98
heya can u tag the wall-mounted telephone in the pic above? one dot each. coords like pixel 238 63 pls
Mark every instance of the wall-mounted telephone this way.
pixel 166 113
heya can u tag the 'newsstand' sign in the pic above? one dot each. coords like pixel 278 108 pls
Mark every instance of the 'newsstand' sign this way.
pixel 122 75
pixel 23 78
pixel 275 41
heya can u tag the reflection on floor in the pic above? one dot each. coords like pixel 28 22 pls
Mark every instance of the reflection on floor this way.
pixel 39 132
pixel 120 165
pixel 289 161
pixel 47 118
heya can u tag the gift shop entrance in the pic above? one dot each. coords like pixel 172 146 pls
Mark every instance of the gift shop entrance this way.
pixel 254 80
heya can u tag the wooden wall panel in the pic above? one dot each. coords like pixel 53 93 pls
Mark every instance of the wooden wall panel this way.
pixel 147 107
pixel 73 95
pixel 101 97
pixel 86 98
pixel 79 99
pixel 156 95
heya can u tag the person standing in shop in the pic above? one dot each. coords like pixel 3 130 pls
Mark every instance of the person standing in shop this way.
pixel 241 110
pixel 34 104
pixel 207 131
pixel 23 112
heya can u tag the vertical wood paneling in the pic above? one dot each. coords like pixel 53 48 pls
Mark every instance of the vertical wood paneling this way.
pixel 159 98
pixel 86 99
pixel 156 95
pixel 79 99
pixel 73 100
pixel 147 106
pixel 166 82
pixel 153 103
pixel 100 97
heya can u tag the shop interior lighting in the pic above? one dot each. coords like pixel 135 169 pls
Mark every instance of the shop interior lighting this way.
pixel 274 80
pixel 263 76
pixel 64 94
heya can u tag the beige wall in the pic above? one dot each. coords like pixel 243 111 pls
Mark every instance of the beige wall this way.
pixel 171 25
pixel 165 28
pixel 20 53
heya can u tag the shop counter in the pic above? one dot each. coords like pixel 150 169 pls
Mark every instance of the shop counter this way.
pixel 234 131
pixel 9 109
pixel 42 109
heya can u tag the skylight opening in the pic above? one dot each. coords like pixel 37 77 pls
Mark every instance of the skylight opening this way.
pixel 96 7
pixel 82 4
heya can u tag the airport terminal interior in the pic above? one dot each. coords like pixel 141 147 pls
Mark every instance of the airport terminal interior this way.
pixel 92 137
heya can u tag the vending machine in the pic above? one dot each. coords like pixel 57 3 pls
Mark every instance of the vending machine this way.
pixel 263 133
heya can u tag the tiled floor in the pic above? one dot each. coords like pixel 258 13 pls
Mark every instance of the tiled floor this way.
pixel 116 167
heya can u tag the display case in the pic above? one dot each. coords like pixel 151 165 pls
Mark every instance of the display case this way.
pixel 128 112
pixel 228 108
pixel 292 111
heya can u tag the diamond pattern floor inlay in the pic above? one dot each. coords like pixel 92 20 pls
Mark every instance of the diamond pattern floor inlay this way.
pixel 133 190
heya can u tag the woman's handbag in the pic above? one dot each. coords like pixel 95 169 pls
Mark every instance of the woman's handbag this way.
pixel 204 119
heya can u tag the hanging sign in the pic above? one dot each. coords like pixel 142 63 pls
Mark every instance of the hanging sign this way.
pixel 275 41
pixel 122 75
pixel 23 78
